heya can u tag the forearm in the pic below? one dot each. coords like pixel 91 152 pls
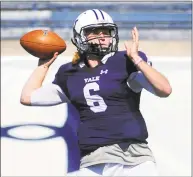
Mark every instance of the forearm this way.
pixel 159 82
pixel 34 82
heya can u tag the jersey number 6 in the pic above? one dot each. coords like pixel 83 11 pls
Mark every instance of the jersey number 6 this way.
pixel 95 102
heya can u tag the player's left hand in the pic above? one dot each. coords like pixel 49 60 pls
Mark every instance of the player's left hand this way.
pixel 132 52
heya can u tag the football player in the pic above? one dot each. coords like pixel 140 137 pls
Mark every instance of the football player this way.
pixel 105 86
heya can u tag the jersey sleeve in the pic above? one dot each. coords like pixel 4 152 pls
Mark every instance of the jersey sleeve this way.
pixel 137 81
pixel 48 95
pixel 53 93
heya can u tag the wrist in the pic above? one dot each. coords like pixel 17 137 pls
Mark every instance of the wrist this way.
pixel 43 62
pixel 136 60
pixel 43 66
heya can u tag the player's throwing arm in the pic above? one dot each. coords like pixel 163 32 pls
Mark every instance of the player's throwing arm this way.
pixel 46 45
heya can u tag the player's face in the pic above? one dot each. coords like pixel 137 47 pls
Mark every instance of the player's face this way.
pixel 100 35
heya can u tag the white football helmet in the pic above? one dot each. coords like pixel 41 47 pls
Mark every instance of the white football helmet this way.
pixel 92 19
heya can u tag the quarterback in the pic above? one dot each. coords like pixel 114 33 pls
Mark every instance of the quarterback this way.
pixel 104 85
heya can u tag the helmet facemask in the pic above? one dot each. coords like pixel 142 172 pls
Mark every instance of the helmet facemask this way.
pixel 85 45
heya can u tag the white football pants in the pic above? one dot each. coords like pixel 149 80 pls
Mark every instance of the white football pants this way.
pixel 112 169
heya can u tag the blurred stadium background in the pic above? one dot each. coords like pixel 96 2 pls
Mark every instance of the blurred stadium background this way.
pixel 165 35
pixel 170 23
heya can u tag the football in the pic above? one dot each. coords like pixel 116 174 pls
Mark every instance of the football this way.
pixel 42 43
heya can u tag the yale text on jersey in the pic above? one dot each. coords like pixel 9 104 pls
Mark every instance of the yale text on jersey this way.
pixel 92 79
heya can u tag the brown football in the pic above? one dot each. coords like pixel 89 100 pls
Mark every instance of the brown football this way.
pixel 42 43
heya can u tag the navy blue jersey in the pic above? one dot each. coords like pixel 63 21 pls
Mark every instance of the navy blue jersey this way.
pixel 108 108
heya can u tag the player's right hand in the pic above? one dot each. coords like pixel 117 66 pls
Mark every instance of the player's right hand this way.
pixel 132 52
pixel 47 61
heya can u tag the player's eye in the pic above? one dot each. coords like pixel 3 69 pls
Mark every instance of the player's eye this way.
pixel 97 31
pixel 104 31
pixel 89 31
